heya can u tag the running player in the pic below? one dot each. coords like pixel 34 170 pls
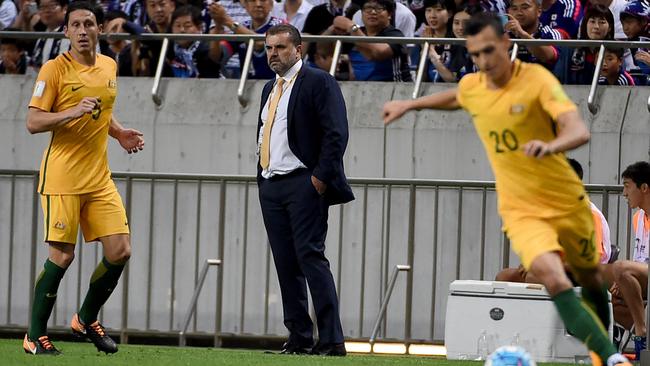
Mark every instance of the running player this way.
pixel 73 100
pixel 526 122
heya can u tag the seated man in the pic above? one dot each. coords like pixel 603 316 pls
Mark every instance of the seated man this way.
pixel 603 242
pixel 630 278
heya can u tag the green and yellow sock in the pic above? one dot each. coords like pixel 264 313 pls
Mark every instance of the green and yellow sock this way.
pixel 102 284
pixel 45 291
pixel 583 324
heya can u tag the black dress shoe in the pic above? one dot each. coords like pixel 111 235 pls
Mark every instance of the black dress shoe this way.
pixel 329 349
pixel 289 348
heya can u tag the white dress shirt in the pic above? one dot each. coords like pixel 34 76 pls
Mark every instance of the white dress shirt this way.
pixel 281 160
pixel 298 19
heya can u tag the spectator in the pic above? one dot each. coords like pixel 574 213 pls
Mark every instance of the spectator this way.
pixel 323 59
pixel 375 61
pixel 238 14
pixel 135 11
pixel 192 59
pixel 321 17
pixel 27 17
pixel 613 72
pixel 12 55
pixel 145 55
pixel 293 12
pixel 616 7
pixel 598 24
pixel 260 20
pixel 8 12
pixel 202 5
pixel 438 15
pixel 113 23
pixel 562 15
pixel 402 19
pixel 51 14
pixel 635 25
pixel 524 23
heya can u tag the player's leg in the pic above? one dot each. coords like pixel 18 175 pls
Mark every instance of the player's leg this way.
pixel 578 318
pixel 632 280
pixel 61 220
pixel 537 244
pixel 511 275
pixel 576 235
pixel 103 218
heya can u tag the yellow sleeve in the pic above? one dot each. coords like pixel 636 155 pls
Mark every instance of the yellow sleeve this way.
pixel 46 87
pixel 463 85
pixel 552 97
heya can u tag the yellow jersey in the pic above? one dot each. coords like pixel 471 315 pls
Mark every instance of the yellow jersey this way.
pixel 76 161
pixel 525 109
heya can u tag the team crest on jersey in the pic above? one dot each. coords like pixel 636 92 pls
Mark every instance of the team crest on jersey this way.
pixel 517 109
pixel 112 84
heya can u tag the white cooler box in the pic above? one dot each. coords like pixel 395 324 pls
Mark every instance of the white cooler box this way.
pixel 484 315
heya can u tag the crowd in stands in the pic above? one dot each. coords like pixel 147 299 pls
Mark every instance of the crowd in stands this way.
pixel 522 19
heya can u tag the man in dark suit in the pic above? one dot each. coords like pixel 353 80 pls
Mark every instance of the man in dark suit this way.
pixel 302 136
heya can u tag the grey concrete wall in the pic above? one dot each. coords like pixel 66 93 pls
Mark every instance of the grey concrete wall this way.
pixel 202 129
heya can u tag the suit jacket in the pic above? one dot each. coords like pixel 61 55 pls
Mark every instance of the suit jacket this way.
pixel 317 128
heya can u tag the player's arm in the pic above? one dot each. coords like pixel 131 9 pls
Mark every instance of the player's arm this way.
pixel 447 100
pixel 131 140
pixel 572 133
pixel 39 120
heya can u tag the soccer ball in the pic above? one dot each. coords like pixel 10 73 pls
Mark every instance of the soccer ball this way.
pixel 510 356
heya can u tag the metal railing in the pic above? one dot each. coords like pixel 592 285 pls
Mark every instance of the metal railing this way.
pixel 338 39
pixel 443 229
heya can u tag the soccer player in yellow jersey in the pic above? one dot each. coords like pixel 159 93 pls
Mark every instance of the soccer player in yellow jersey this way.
pixel 526 122
pixel 73 100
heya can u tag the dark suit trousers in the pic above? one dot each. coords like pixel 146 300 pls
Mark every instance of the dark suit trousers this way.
pixel 295 216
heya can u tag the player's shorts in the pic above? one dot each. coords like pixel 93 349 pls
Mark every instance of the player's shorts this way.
pixel 100 213
pixel 572 235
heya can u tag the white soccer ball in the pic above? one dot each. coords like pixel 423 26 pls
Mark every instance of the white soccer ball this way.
pixel 510 356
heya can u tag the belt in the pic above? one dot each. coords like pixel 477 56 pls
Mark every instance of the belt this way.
pixel 291 174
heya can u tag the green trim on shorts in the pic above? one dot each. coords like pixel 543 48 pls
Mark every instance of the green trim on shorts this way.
pixel 47 218
pixel 47 157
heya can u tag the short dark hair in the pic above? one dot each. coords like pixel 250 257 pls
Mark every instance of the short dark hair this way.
pixel 638 172
pixel 599 11
pixel 84 5
pixel 576 167
pixel 115 14
pixel 388 4
pixel 449 5
pixel 619 52
pixel 186 10
pixel 480 21
pixel 294 34
pixel 62 3
pixel 19 43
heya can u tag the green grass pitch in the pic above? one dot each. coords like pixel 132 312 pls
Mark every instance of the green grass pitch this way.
pixel 82 354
